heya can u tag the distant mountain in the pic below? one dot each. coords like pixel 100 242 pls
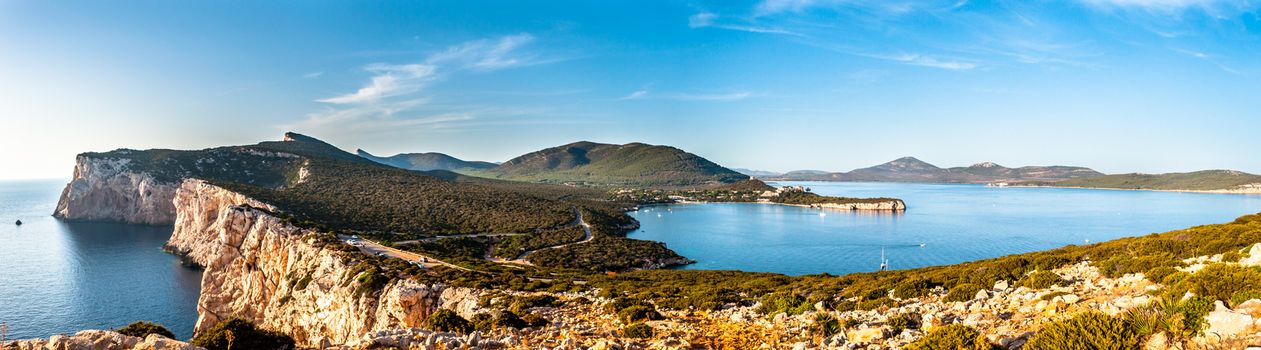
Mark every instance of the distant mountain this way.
pixel 632 164
pixel 1207 180
pixel 910 169
pixel 426 161
pixel 756 173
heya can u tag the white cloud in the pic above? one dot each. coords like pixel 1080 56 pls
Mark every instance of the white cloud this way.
pixel 927 61
pixel 767 7
pixel 312 75
pixel 1210 59
pixel 709 19
pixel 393 97
pixel 635 95
pixel 488 55
pixel 732 96
pixel 390 80
pixel 1154 4
pixel 701 20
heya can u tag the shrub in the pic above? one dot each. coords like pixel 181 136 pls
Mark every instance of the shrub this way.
pixel 1231 256
pixel 962 292
pixel 638 313
pixel 637 330
pixel 904 321
pixel 532 320
pixel 1090 330
pixel 1220 282
pixel 521 304
pixel 785 302
pixel 143 329
pixel 445 320
pixel 236 333
pixel 951 337
pixel 1041 280
pixel 1049 296
pixel 1158 274
pixel 914 288
pixel 868 305
pixel 1051 262
pixel 825 325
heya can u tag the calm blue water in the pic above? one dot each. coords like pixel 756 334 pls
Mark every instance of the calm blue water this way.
pixel 955 223
pixel 58 277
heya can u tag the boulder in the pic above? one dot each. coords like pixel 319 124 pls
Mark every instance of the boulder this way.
pixel 866 335
pixel 1226 323
pixel 981 295
pixel 1000 285
pixel 1254 256
pixel 1252 307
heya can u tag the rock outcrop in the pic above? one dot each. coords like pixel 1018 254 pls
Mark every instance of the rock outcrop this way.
pixel 276 275
pixel 99 340
pixel 889 205
pixel 106 190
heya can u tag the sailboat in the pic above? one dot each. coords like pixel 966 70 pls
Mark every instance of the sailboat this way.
pixel 884 263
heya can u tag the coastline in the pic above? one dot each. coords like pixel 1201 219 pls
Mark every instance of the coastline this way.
pixel 1227 192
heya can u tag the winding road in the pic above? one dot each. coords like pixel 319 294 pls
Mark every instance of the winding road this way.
pixel 374 248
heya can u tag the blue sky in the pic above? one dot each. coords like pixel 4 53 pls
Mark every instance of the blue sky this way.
pixel 1117 85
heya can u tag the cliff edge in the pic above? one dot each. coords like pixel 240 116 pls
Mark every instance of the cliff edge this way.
pixel 280 277
pixel 105 189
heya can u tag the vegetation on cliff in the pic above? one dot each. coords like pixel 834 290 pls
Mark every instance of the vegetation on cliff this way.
pixel 809 198
pixel 236 333
pixel 633 164
pixel 1207 180
pixel 144 328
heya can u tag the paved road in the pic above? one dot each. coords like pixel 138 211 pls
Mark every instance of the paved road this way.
pixel 587 237
pixel 374 248
pixel 431 239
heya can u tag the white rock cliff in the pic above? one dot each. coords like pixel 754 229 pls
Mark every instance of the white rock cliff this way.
pixel 105 190
pixel 259 268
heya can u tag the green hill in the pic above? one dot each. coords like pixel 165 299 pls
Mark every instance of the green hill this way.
pixel 633 164
pixel 426 161
pixel 1207 180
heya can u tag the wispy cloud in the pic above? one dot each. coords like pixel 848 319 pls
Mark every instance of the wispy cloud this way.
pixel 1212 59
pixel 1159 5
pixel 710 20
pixel 489 55
pixel 389 81
pixel 635 95
pixel 394 94
pixel 926 61
pixel 680 96
pixel 313 75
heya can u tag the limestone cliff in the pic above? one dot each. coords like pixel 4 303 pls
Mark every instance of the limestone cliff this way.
pixel 274 274
pixel 104 189
pixel 99 340
pixel 889 205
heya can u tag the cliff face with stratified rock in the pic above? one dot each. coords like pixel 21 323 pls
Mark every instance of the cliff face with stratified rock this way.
pixel 105 189
pixel 259 268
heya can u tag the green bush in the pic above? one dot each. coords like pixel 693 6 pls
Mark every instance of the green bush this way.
pixel 143 329
pixel 825 325
pixel 637 330
pixel 962 292
pixel 1051 262
pixel 638 313
pixel 904 321
pixel 1049 296
pixel 521 304
pixel 445 320
pixel 1158 274
pixel 1090 330
pixel 236 333
pixel 914 288
pixel 868 305
pixel 785 302
pixel 951 337
pixel 1220 282
pixel 1041 280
